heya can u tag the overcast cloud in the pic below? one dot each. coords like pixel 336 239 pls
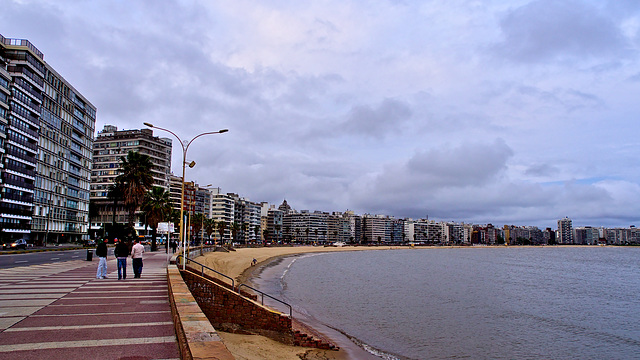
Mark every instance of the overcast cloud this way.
pixel 504 112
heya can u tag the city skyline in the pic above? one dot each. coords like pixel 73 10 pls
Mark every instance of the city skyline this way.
pixel 509 112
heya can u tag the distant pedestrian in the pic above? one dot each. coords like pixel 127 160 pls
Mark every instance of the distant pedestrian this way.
pixel 121 252
pixel 136 256
pixel 174 246
pixel 101 253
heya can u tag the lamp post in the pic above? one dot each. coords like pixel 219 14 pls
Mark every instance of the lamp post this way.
pixel 185 147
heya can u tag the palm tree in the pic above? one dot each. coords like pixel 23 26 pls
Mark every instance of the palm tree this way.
pixel 156 207
pixel 287 231
pixel 244 226
pixel 256 232
pixel 174 218
pixel 114 194
pixel 235 227
pixel 134 181
pixel 209 227
pixel 307 230
pixel 197 222
pixel 222 227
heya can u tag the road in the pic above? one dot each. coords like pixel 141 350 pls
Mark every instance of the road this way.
pixel 47 257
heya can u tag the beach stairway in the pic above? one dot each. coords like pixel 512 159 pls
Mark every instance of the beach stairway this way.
pixel 304 340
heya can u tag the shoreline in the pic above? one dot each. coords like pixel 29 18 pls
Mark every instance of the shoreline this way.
pixel 237 265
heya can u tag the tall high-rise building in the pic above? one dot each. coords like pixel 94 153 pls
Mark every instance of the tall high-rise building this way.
pixel 565 231
pixel 110 146
pixel 47 134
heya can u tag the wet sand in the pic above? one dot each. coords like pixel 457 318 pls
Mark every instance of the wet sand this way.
pixel 238 265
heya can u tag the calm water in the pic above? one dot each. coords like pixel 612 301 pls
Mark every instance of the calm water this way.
pixel 473 303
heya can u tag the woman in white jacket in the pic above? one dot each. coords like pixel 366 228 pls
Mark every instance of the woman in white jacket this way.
pixel 136 255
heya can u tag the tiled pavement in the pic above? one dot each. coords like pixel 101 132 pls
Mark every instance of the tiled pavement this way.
pixel 61 311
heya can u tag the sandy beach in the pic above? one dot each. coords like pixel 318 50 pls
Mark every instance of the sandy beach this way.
pixel 237 264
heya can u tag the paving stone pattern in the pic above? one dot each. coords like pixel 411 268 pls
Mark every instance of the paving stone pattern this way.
pixel 61 311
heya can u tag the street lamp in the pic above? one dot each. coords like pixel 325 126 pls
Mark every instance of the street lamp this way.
pixel 185 147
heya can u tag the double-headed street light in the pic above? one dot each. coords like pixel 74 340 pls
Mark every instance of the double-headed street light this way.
pixel 185 147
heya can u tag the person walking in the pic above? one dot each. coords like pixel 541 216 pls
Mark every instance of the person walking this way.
pixel 136 256
pixel 101 253
pixel 174 246
pixel 121 252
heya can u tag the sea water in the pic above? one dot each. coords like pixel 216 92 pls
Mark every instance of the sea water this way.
pixel 470 303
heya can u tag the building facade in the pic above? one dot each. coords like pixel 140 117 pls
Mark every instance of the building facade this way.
pixel 565 231
pixel 47 131
pixel 110 146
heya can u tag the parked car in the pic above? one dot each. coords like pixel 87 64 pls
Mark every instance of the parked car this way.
pixel 19 244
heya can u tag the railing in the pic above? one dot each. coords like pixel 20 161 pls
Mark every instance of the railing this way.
pixel 267 295
pixel 202 267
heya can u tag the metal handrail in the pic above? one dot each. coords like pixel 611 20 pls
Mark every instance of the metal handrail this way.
pixel 269 296
pixel 215 271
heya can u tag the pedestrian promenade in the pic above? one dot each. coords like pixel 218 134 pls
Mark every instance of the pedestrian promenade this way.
pixel 61 311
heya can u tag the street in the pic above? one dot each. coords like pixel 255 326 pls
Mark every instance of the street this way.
pixel 46 257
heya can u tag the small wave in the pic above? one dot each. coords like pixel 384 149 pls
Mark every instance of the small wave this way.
pixel 368 348
pixel 283 283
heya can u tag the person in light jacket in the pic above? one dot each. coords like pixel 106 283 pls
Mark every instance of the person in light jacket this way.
pixel 136 256
pixel 101 253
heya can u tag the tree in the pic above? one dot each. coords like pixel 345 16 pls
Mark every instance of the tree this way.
pixel 222 227
pixel 197 223
pixel 114 194
pixel 287 231
pixel 235 227
pixel 244 227
pixel 256 232
pixel 156 207
pixel 134 181
pixel 209 226
pixel 115 230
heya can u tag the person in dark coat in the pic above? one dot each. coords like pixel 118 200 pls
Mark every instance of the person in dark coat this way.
pixel 121 252
pixel 101 253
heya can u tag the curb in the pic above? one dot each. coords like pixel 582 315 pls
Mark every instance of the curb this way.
pixel 197 339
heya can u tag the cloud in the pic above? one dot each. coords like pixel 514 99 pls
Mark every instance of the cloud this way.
pixel 541 170
pixel 387 108
pixel 387 118
pixel 558 30
pixel 429 173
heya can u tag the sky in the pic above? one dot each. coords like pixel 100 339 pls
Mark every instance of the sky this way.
pixel 513 112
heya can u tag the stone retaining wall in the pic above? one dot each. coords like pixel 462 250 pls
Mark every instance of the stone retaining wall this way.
pixel 231 312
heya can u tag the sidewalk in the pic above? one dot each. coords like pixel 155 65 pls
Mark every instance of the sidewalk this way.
pixel 61 311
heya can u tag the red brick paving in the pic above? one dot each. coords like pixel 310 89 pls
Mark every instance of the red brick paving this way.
pixel 88 318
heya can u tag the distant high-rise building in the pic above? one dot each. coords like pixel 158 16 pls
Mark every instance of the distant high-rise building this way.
pixel 565 231
pixel 110 146
pixel 222 211
pixel 47 131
